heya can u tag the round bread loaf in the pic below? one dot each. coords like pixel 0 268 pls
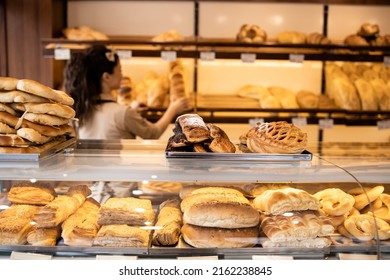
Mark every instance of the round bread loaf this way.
pixel 203 237
pixel 222 215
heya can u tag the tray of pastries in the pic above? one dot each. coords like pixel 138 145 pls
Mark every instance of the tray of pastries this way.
pixel 273 141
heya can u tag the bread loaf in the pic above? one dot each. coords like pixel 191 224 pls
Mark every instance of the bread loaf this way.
pixel 220 142
pixel 122 236
pixel 8 83
pixel 31 194
pixel 43 236
pixel 193 128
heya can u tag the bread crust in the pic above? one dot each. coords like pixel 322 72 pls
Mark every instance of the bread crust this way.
pixel 20 97
pixel 122 236
pixel 54 109
pixel 34 195
pixel 222 215
pixel 208 237
pixel 193 128
pixel 8 83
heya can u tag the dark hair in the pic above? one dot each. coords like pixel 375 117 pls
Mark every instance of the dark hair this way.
pixel 82 78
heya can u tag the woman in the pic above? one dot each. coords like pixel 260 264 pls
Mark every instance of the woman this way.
pixel 90 78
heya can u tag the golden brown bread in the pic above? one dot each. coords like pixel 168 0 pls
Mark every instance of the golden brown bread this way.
pixel 19 210
pixel 20 96
pixel 14 231
pixel 122 236
pixel 81 228
pixel 319 242
pixel 334 201
pixel 169 222
pixel 33 136
pixel 220 142
pixel 251 34
pixel 291 37
pixel 31 194
pixel 6 129
pixel 126 210
pixel 8 83
pixel 25 148
pixel 208 237
pixel 8 109
pixel 54 109
pixel 307 99
pixel 41 90
pixel 277 202
pixel 44 236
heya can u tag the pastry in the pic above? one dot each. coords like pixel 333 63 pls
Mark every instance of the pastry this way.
pixel 43 236
pixel 122 236
pixel 334 201
pixel 193 127
pixel 220 142
pixel 277 138
pixel 126 210
pixel 277 202
pixel 31 194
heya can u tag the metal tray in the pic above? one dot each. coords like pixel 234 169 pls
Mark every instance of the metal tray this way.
pixel 304 156
pixel 34 157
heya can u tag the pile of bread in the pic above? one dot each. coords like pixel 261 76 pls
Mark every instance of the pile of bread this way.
pixel 33 117
pixel 83 33
pixel 358 86
pixel 276 97
pixel 192 134
pixel 251 33
pixel 168 36
pixel 206 217
pixel 368 34
pixel 155 90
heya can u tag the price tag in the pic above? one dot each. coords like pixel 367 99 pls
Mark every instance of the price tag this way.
pixel 326 123
pixel 297 58
pixel 124 54
pixel 248 57
pixel 61 54
pixel 29 256
pixel 253 122
pixel 168 55
pixel 207 56
pixel 385 124
pixel 299 121
pixel 386 60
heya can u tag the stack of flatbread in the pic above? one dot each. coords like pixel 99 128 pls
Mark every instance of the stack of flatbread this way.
pixel 33 117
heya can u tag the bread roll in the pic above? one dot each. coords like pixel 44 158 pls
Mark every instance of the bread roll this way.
pixel 291 37
pixel 286 97
pixel 193 128
pixel 54 109
pixel 208 237
pixel 20 97
pixel 220 142
pixel 307 99
pixel 6 129
pixel 7 109
pixel 8 83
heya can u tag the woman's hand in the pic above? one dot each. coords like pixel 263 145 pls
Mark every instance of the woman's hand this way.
pixel 181 105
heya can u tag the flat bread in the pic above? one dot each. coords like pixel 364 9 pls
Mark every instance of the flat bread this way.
pixel 13 140
pixel 32 149
pixel 8 83
pixel 8 109
pixel 6 129
pixel 45 119
pixel 41 90
pixel 54 109
pixel 20 96
pixel 43 129
pixel 32 135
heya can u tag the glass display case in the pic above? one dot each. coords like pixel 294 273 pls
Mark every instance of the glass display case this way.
pixel 141 170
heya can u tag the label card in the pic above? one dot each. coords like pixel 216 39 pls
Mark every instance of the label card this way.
pixel 248 57
pixel 115 257
pixel 168 55
pixel 326 123
pixel 29 256
pixel 124 54
pixel 385 124
pixel 299 121
pixel 207 56
pixel 297 58
pixel 199 258
pixel 61 54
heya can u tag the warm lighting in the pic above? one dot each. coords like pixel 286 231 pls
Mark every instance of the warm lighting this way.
pixel 33 180
pixel 288 214
pixel 137 192
pixel 154 176
pixel 3 207
pixel 151 227
pixel 139 210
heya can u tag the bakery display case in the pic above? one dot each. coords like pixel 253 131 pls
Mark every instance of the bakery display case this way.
pixel 243 200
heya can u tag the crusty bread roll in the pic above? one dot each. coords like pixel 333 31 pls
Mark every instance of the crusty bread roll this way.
pixel 355 40
pixel 126 210
pixel 8 109
pixel 251 34
pixel 54 109
pixel 32 135
pixel 6 129
pixel 193 127
pixel 277 202
pixel 222 215
pixel 38 89
pixel 45 119
pixel 169 222
pixel 31 194
pixel 122 236
pixel 13 140
pixel 32 149
pixel 307 99
pixel 318 39
pixel 368 30
pixel 208 237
